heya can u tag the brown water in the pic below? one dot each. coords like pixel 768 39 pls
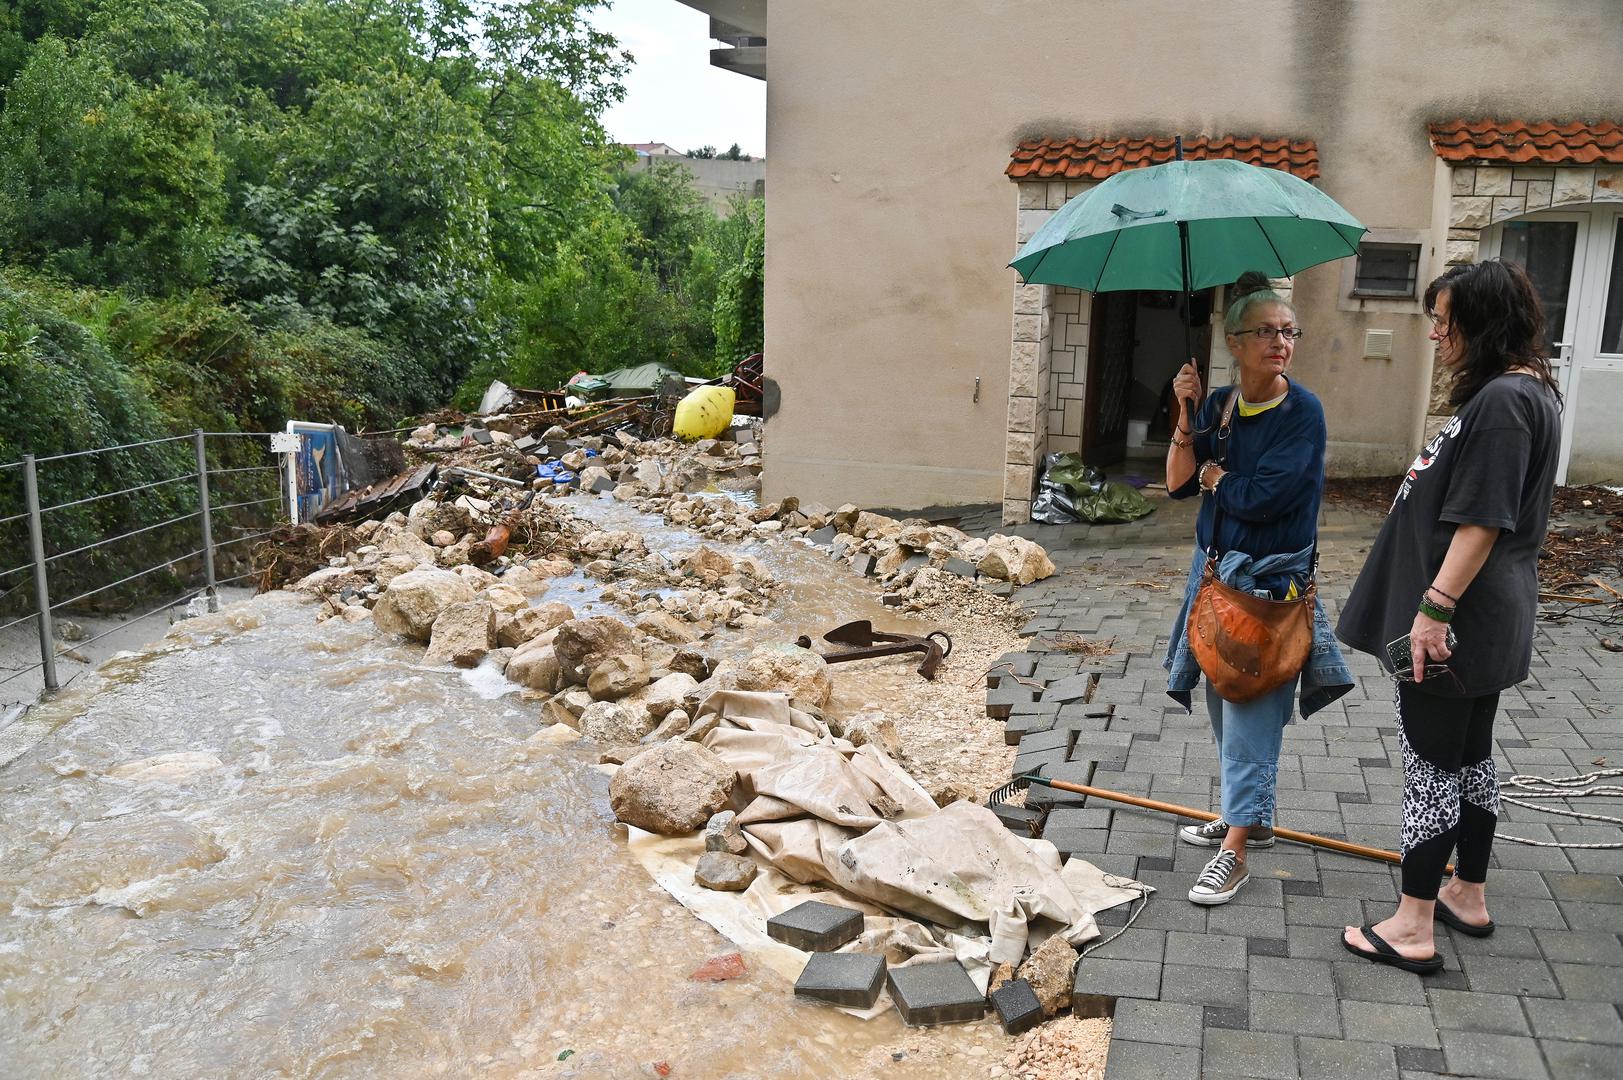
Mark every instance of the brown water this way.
pixel 275 848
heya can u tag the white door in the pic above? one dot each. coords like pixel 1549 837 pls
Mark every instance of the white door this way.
pixel 1576 262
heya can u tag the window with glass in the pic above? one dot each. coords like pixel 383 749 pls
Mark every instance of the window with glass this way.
pixel 1389 270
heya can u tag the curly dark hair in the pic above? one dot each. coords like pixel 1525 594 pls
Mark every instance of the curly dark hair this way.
pixel 1496 313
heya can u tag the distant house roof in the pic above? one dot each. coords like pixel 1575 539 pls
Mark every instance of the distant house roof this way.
pixel 1517 142
pixel 1099 158
pixel 654 149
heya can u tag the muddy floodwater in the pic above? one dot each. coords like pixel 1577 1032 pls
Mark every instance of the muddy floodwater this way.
pixel 268 847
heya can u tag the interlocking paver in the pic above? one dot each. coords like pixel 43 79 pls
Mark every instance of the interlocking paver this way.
pixel 1549 982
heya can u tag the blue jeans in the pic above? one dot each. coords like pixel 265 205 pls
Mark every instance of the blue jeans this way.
pixel 1248 740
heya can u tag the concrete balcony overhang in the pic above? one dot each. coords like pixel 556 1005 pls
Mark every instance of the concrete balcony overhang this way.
pixel 741 24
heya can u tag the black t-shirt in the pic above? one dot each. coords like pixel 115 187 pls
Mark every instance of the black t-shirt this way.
pixel 1492 464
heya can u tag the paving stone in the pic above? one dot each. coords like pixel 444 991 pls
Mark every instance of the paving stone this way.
pixel 1247 920
pixel 1017 1006
pixel 1020 820
pixel 1515 975
pixel 1505 1057
pixel 1584 982
pixel 1283 975
pixel 1067 690
pixel 1392 1024
pixel 1046 740
pixel 1294 1014
pixel 863 565
pixel 1577 1021
pixel 851 979
pixel 1003 698
pixel 815 926
pixel 1361 980
pixel 1473 1011
pixel 1085 842
pixel 1134 943
pixel 1156 1022
pixel 1419 1059
pixel 1152 1061
pixel 1580 1060
pixel 961 567
pixel 824 536
pixel 1323 1059
pixel 1251 1053
pixel 1204 985
pixel 935 993
pixel 1117 978
pixel 1205 950
pixel 1088 818
pixel 1218 1016
pixel 1018 727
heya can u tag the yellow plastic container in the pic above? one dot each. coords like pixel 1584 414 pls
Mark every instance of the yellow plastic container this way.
pixel 704 413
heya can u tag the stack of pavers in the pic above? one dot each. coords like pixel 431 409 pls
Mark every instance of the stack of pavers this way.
pixel 924 994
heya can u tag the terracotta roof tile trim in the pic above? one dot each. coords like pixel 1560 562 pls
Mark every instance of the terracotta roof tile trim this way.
pixel 1519 142
pixel 1099 158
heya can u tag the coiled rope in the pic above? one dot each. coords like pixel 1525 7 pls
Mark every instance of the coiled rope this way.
pixel 1562 787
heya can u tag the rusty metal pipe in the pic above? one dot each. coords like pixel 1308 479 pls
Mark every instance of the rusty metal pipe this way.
pixel 1345 847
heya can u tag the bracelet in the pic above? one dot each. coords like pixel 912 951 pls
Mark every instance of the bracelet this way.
pixel 1444 595
pixel 1432 611
pixel 1182 442
pixel 1201 477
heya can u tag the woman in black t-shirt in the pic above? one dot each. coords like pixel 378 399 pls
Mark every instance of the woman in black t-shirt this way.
pixel 1446 600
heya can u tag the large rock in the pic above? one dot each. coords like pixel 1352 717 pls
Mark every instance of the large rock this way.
pixel 672 788
pixel 409 544
pixel 581 643
pixel 529 623
pixel 1013 558
pixel 463 634
pixel 615 722
pixel 705 561
pixel 415 599
pixel 724 872
pixel 868 524
pixel 876 729
pixel 616 676
pixel 535 665
pixel 1049 969
pixel 800 673
pixel 668 693
pixel 505 599
pixel 722 833
pixel 666 627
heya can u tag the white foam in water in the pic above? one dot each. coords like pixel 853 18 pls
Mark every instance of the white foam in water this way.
pixel 488 683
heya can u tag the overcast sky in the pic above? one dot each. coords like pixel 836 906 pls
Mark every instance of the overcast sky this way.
pixel 673 95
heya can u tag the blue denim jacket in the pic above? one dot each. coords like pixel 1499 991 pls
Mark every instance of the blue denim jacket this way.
pixel 1325 677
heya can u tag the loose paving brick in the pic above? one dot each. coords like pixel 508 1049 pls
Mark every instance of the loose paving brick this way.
pixel 1503 1057
pixel 814 926
pixel 850 979
pixel 1017 1006
pixel 935 993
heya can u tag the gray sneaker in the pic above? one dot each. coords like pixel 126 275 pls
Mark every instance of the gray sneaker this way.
pixel 1220 880
pixel 1211 833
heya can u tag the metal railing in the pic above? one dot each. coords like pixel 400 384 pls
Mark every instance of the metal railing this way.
pixel 183 543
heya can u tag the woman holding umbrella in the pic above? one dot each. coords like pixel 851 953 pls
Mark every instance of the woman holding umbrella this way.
pixel 1447 599
pixel 1258 463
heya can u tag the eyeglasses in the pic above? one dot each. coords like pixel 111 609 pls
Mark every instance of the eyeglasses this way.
pixel 1433 672
pixel 1268 333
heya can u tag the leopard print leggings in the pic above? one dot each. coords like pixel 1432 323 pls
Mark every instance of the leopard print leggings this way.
pixel 1450 786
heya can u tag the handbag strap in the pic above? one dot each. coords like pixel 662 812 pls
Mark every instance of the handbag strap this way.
pixel 1224 431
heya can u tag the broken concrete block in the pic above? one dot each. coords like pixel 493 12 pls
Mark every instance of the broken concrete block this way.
pixel 815 926
pixel 939 993
pixel 602 483
pixel 864 565
pixel 961 567
pixel 724 872
pixel 1017 1007
pixel 850 979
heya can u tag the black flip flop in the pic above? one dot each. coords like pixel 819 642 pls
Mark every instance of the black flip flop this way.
pixel 1386 954
pixel 1445 914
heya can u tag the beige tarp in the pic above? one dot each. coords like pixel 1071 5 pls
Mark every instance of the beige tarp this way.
pixel 823 813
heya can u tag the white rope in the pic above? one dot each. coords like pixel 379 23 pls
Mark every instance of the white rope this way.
pixel 1562 787
pixel 1115 881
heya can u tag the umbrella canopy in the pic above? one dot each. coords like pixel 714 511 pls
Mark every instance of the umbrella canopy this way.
pixel 1130 231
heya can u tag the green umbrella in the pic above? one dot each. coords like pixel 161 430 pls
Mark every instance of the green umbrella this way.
pixel 1188 225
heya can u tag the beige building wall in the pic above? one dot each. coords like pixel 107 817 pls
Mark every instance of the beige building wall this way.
pixel 890 126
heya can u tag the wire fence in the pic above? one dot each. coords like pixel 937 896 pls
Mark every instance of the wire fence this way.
pixel 139 549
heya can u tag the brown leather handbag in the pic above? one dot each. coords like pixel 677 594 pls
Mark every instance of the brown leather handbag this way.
pixel 1247 645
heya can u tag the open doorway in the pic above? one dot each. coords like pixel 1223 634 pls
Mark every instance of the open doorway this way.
pixel 1136 345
